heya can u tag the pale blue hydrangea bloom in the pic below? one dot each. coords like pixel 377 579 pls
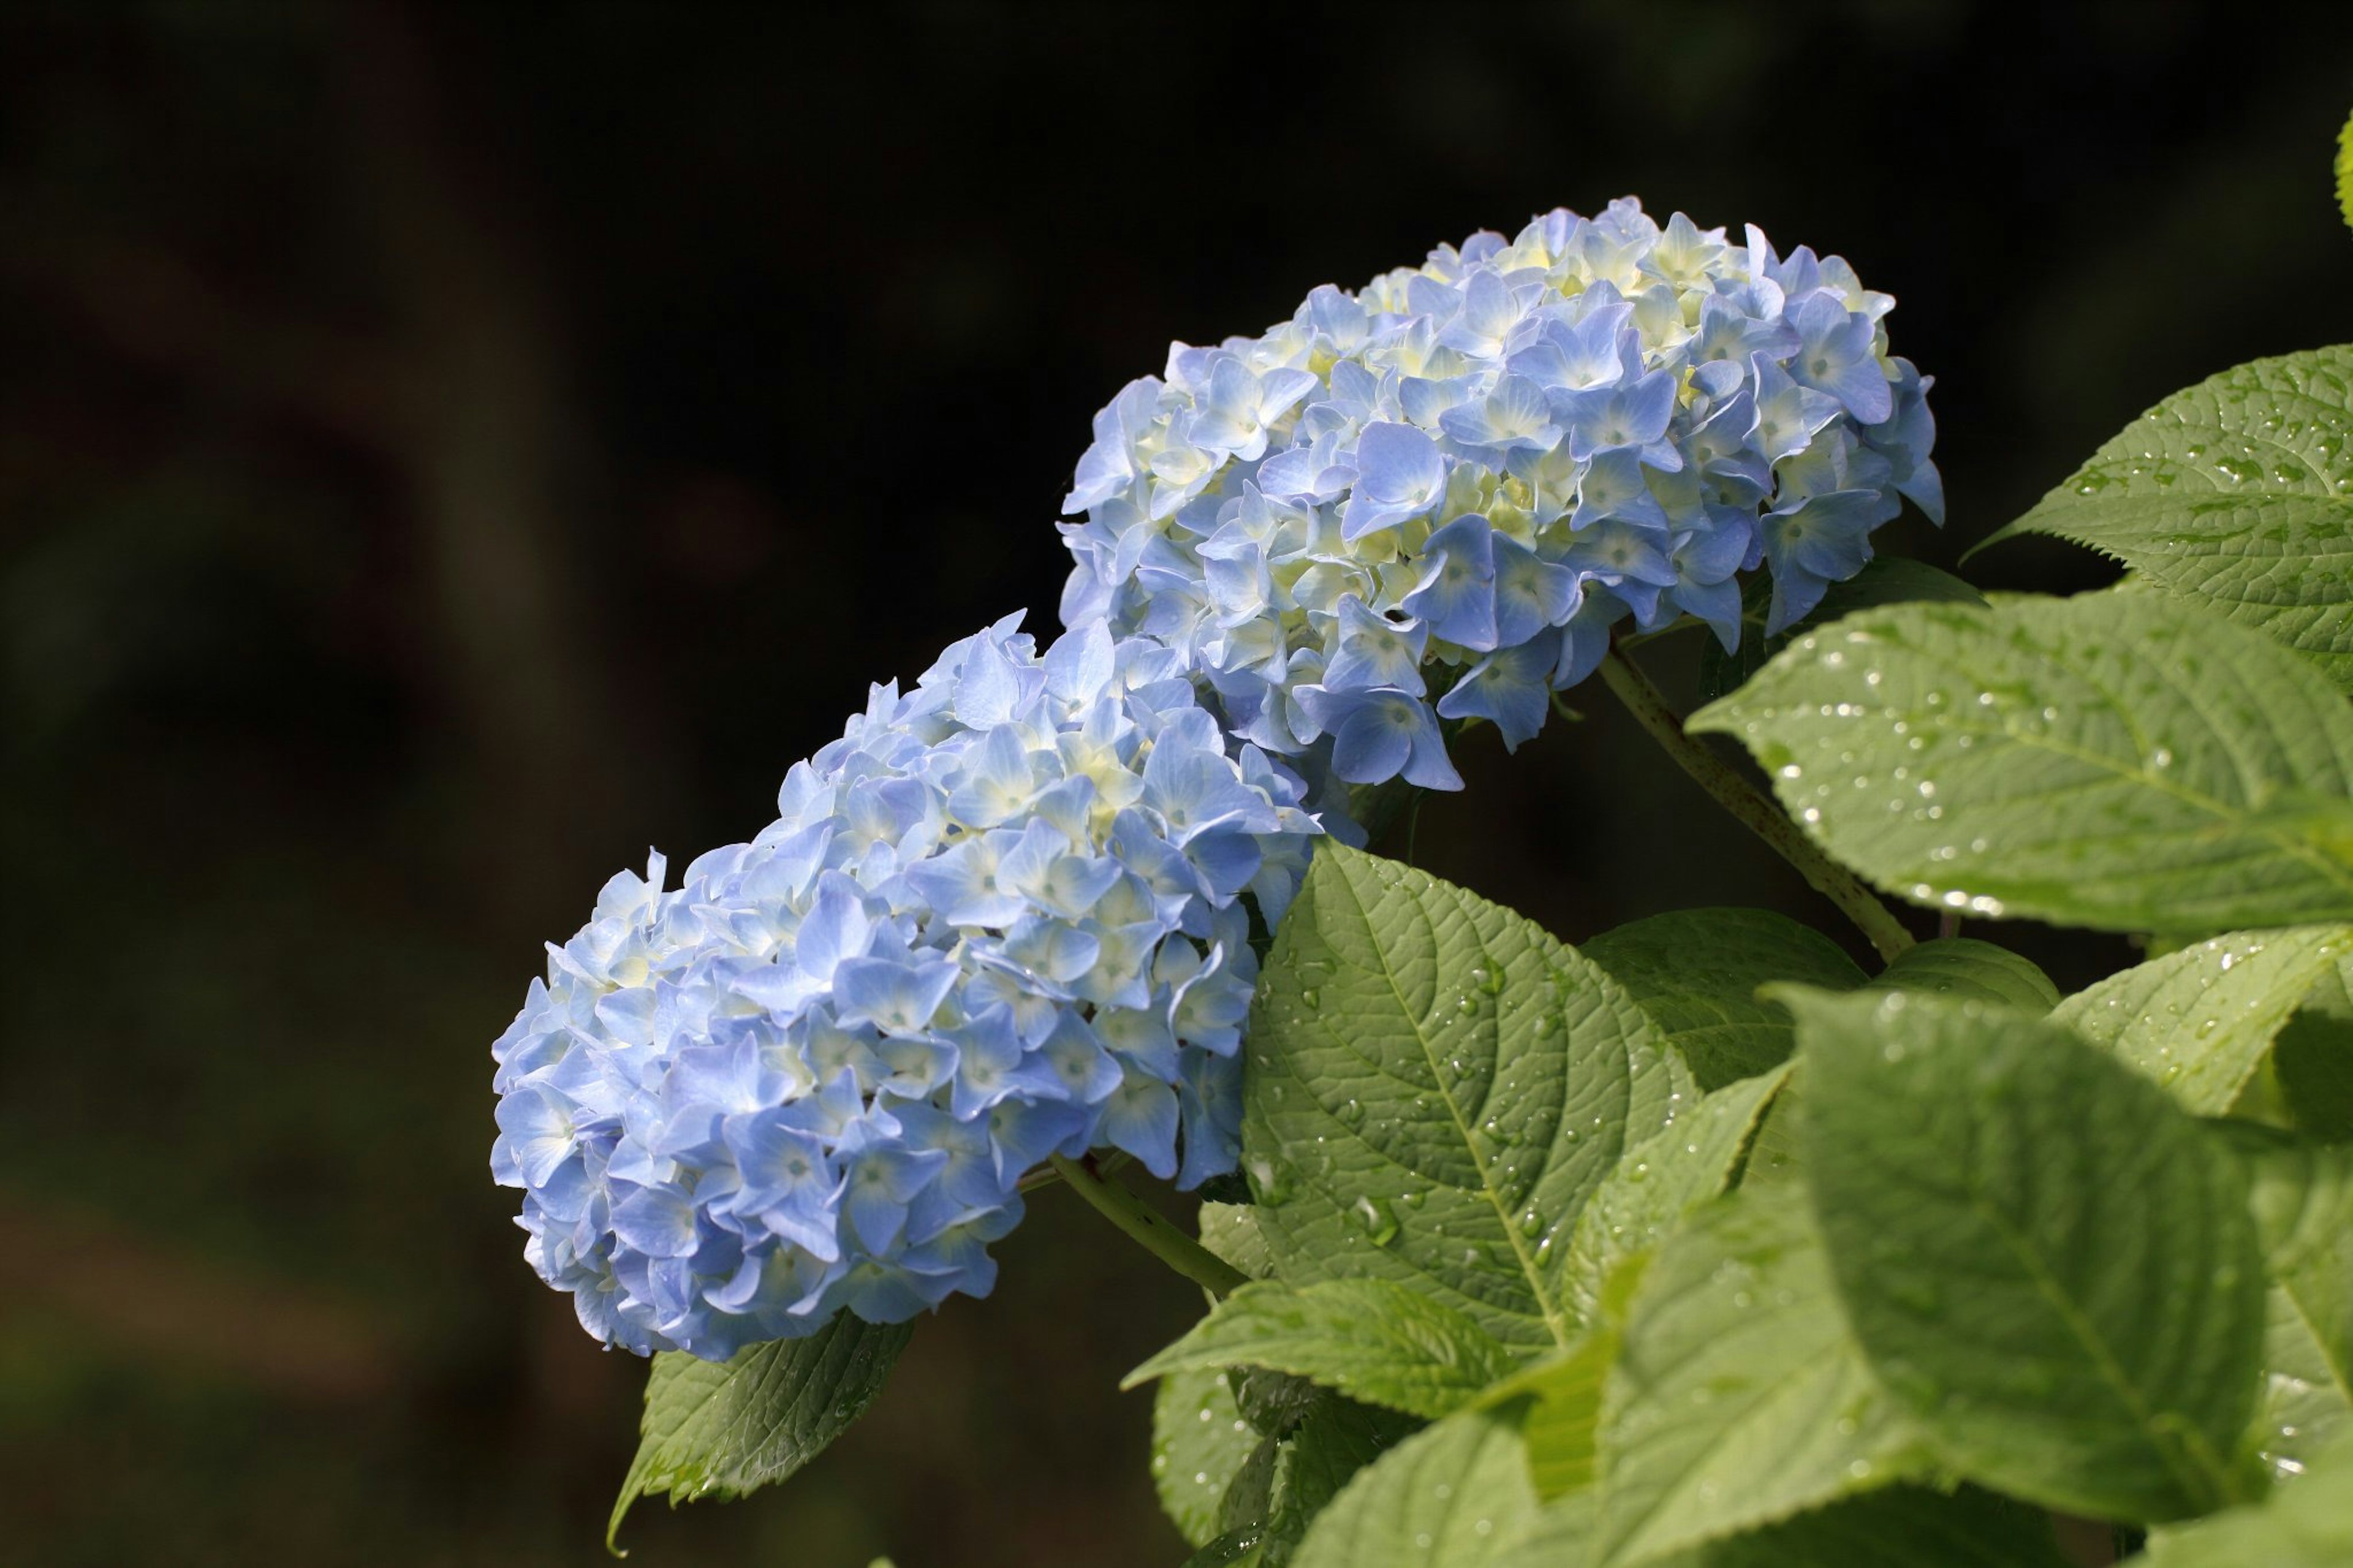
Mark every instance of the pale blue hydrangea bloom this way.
pixel 1000 919
pixel 1435 498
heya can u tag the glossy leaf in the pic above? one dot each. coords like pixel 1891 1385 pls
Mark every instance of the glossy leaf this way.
pixel 1433 1090
pixel 2199 1021
pixel 2236 494
pixel 2112 761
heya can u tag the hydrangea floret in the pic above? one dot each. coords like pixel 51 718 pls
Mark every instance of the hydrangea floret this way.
pixel 1435 498
pixel 1000 920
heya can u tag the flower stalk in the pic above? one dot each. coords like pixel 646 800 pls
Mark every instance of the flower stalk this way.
pixel 1752 806
pixel 1148 1229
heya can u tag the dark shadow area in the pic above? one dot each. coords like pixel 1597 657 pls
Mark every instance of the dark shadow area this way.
pixel 444 451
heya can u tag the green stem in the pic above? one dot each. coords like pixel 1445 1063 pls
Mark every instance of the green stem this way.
pixel 1148 1229
pixel 1752 806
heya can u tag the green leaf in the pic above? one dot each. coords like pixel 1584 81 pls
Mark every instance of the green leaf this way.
pixel 2302 1197
pixel 2307 1524
pixel 1337 1438
pixel 1561 1428
pixel 1367 1338
pixel 1660 1181
pixel 2199 1021
pixel 1696 972
pixel 1231 1231
pixel 1200 1442
pixel 1884 580
pixel 1448 1497
pixel 1966 970
pixel 1898 1527
pixel 2313 1060
pixel 722 1429
pixel 1433 1089
pixel 2237 495
pixel 1236 1548
pixel 1739 1397
pixel 1201 1438
pixel 2046 1259
pixel 2112 761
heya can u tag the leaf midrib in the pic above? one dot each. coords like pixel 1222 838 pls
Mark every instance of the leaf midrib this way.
pixel 2063 1303
pixel 1555 1320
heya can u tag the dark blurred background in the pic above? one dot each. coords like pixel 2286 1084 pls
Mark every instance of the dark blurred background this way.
pixel 444 451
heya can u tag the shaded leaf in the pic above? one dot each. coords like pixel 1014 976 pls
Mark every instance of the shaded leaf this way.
pixel 2307 1524
pixel 1448 1497
pixel 1739 1397
pixel 1967 970
pixel 1899 1526
pixel 1696 972
pixel 2302 1197
pixel 2046 1260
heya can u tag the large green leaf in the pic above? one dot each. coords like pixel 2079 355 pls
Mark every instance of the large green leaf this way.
pixel 1739 1397
pixel 2237 494
pixel 2112 760
pixel 2308 1524
pixel 1367 1338
pixel 1899 1526
pixel 2199 1020
pixel 1884 580
pixel 1433 1089
pixel 1452 1496
pixel 2046 1259
pixel 724 1429
pixel 2302 1195
pixel 1661 1180
pixel 1966 970
pixel 1696 972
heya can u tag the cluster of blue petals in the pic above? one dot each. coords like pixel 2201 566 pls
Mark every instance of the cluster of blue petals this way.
pixel 1009 914
pixel 1435 498
pixel 1000 920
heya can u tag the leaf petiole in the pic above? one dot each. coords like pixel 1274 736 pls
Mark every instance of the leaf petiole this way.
pixel 1752 806
pixel 1148 1229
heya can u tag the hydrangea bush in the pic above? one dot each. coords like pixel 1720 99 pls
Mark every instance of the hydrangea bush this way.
pixel 1698 1244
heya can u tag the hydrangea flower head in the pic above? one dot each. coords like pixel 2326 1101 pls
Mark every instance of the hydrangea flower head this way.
pixel 1435 498
pixel 998 920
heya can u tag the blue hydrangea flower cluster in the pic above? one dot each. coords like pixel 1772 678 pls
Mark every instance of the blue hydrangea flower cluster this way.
pixel 1435 498
pixel 1008 915
pixel 998 920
